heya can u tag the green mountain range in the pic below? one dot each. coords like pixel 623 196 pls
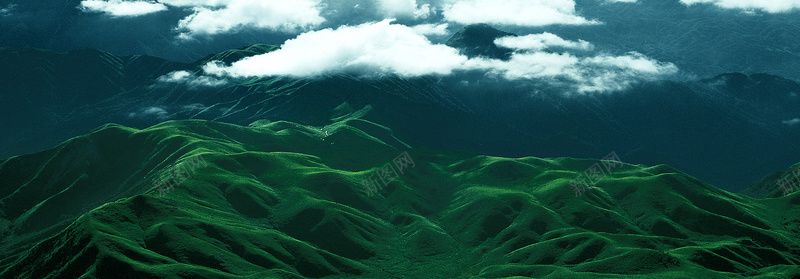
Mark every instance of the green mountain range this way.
pixel 399 139
pixel 204 199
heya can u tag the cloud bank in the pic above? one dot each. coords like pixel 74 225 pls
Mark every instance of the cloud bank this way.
pixel 384 48
pixel 514 12
pixel 770 6
pixel 119 8
pixel 213 17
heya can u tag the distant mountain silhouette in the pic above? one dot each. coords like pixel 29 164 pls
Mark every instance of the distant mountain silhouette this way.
pixel 478 40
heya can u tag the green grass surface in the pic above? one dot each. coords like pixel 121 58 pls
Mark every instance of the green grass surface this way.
pixel 275 200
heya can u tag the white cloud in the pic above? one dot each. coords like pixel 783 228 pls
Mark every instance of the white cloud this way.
pixel 431 29
pixel 189 79
pixel 541 42
pixel 367 49
pixel 377 49
pixel 229 16
pixel 792 122
pixel 405 9
pixel 151 112
pixel 514 12
pixel 119 8
pixel 770 6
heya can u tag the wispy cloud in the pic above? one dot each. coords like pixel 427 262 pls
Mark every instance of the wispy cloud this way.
pixel 119 8
pixel 540 42
pixel 792 122
pixel 514 12
pixel 770 6
pixel 601 73
pixel 7 10
pixel 191 80
pixel 157 113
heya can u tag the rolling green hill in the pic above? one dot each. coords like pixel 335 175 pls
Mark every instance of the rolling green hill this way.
pixel 283 200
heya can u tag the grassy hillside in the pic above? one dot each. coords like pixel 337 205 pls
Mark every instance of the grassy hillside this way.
pixel 200 199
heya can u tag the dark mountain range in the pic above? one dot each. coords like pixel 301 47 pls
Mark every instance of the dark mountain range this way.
pixel 200 199
pixel 690 125
pixel 47 97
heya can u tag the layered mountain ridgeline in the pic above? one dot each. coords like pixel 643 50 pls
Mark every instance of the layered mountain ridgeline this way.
pixel 48 97
pixel 705 128
pixel 52 102
pixel 280 199
pixel 724 137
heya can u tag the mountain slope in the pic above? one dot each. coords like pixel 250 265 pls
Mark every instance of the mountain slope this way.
pixel 279 199
pixel 776 184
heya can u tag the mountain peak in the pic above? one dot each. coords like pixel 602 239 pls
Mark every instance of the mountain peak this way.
pixel 478 40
